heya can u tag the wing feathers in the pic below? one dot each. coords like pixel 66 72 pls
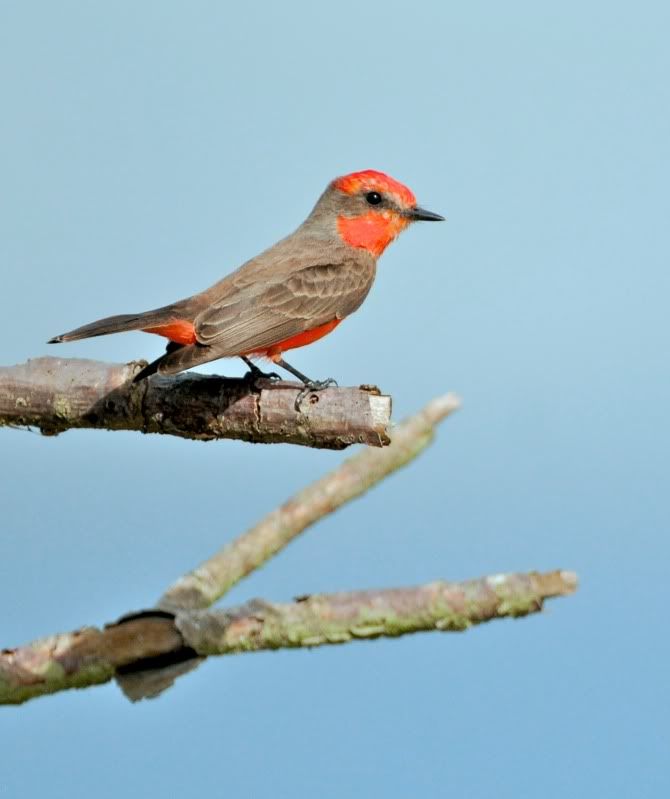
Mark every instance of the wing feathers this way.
pixel 258 317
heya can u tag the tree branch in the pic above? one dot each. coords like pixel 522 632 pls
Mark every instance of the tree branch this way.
pixel 92 656
pixel 55 395
pixel 146 651
pixel 213 578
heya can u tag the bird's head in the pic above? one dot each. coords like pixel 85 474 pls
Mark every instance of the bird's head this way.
pixel 369 209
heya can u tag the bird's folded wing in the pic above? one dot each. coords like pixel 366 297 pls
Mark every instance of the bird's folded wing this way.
pixel 258 316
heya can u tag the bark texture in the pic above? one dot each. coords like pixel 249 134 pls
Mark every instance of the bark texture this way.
pixel 56 394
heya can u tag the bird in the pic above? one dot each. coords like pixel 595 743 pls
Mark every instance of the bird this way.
pixel 288 296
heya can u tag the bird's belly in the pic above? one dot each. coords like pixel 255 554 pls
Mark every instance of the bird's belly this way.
pixel 300 340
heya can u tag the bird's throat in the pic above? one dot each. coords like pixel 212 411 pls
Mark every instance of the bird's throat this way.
pixel 373 231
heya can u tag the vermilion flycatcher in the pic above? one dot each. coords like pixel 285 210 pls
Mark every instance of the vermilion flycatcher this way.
pixel 288 296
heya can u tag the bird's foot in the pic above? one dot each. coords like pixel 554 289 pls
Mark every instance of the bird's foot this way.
pixel 312 386
pixel 255 374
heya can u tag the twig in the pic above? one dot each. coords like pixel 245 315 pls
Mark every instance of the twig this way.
pixel 55 395
pixel 91 656
pixel 213 578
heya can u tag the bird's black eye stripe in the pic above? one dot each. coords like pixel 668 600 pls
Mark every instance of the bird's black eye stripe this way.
pixel 373 197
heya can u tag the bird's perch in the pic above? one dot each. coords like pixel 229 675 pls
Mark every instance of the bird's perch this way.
pixel 56 394
pixel 91 656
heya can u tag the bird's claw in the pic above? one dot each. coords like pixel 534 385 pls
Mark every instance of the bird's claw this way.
pixel 311 386
pixel 255 374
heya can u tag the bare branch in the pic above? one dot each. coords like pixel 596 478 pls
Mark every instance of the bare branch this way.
pixel 213 578
pixel 55 395
pixel 146 651
pixel 91 656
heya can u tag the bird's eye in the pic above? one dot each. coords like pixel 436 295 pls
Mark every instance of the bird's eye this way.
pixel 373 197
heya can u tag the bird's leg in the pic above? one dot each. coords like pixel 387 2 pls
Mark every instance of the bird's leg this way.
pixel 255 373
pixel 310 385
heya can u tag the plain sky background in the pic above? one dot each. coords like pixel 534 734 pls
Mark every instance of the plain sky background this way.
pixel 148 148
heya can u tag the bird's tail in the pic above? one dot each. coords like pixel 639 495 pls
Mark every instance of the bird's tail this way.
pixel 120 323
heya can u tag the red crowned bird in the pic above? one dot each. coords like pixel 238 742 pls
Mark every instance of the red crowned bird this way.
pixel 291 294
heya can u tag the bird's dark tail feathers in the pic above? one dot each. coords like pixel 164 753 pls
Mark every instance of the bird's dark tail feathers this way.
pixel 154 366
pixel 120 323
pixel 177 357
pixel 111 324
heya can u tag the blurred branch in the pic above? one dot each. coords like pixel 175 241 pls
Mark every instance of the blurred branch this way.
pixel 92 656
pixel 213 578
pixel 146 651
pixel 55 394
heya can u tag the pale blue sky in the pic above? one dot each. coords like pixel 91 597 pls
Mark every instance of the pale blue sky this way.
pixel 147 149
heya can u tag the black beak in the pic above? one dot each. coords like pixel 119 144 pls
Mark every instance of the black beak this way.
pixel 421 215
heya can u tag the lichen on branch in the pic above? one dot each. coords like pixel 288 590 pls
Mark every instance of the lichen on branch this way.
pixel 92 656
